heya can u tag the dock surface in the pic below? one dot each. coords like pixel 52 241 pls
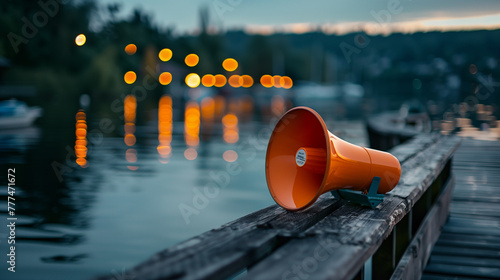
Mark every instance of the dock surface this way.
pixel 469 245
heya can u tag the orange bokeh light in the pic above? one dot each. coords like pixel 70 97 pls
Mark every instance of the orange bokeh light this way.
pixel 165 55
pixel 230 156
pixel 267 81
pixel 190 154
pixel 286 82
pixel 165 78
pixel 276 81
pixel 230 120
pixel 192 80
pixel 129 108
pixel 82 162
pixel 191 60
pixel 192 124
pixel 207 109
pixel 165 126
pixel 130 77
pixel 208 80
pixel 230 64
pixel 131 155
pixel 220 80
pixel 129 140
pixel 246 81
pixel 80 40
pixel 130 49
pixel 81 140
pixel 230 132
pixel 81 133
pixel 234 81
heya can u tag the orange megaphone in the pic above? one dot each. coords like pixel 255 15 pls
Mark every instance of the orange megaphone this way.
pixel 304 160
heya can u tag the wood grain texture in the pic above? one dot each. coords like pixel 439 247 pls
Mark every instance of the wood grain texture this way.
pixel 469 246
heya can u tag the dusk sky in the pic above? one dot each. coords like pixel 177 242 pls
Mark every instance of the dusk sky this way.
pixel 338 16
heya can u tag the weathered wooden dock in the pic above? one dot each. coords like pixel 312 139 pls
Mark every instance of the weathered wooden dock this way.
pixel 469 246
pixel 333 239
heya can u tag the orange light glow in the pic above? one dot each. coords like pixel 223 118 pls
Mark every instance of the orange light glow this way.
pixel 129 128
pixel 130 77
pixel 208 80
pixel 165 126
pixel 220 80
pixel 207 109
pixel 129 108
pixel 130 140
pixel 234 81
pixel 190 154
pixel 193 80
pixel 220 106
pixel 131 155
pixel 230 64
pixel 81 140
pixel 133 168
pixel 267 81
pixel 230 132
pixel 276 81
pixel 81 125
pixel 230 156
pixel 165 78
pixel 286 82
pixel 165 55
pixel 80 40
pixel 80 116
pixel 81 133
pixel 192 124
pixel 230 120
pixel 278 105
pixel 246 81
pixel 130 49
pixel 191 60
pixel 82 162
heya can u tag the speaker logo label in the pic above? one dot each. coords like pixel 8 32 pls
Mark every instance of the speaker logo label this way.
pixel 300 157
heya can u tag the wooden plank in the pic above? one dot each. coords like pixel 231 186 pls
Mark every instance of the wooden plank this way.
pixel 224 251
pixel 418 252
pixel 447 277
pixel 477 253
pixel 466 261
pixel 450 269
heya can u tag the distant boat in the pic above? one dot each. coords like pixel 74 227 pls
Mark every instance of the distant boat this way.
pixel 16 114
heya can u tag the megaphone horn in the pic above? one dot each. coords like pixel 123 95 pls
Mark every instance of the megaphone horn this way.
pixel 304 160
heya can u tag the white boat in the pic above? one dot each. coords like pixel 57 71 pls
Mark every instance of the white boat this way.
pixel 16 114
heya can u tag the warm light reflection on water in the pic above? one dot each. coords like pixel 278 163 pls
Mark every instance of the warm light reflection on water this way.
pixel 165 126
pixel 230 128
pixel 129 114
pixel 191 129
pixel 81 139
pixel 230 156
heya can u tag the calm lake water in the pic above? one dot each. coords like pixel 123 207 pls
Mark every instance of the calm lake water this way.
pixel 125 204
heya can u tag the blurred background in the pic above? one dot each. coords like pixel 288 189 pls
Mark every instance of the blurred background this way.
pixel 135 125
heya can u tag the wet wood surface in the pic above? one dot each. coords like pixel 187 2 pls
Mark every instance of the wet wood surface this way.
pixel 469 246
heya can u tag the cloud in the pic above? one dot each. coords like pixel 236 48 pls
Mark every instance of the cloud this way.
pixel 340 16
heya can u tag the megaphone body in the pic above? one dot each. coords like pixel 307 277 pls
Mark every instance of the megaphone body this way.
pixel 304 160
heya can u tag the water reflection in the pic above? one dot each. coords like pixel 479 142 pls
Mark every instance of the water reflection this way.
pixel 129 114
pixel 230 128
pixel 165 126
pixel 192 129
pixel 81 139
